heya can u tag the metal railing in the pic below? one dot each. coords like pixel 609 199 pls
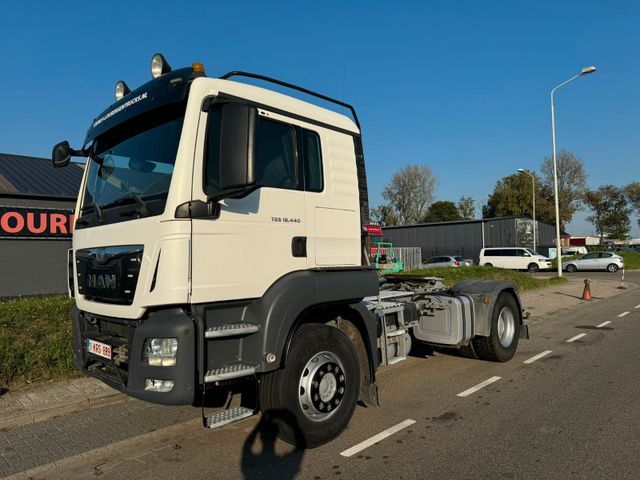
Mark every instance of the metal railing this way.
pixel 410 256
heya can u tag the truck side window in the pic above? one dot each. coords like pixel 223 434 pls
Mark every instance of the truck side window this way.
pixel 312 155
pixel 275 165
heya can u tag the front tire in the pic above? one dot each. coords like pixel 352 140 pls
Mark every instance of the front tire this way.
pixel 572 268
pixel 612 267
pixel 502 342
pixel 488 265
pixel 311 400
pixel 533 268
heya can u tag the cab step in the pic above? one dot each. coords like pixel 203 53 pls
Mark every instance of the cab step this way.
pixel 231 330
pixel 229 372
pixel 227 416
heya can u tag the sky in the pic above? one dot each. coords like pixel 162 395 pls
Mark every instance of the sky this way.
pixel 461 86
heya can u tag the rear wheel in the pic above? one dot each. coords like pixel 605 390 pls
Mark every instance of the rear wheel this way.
pixel 533 268
pixel 612 267
pixel 488 265
pixel 311 400
pixel 502 342
pixel 572 268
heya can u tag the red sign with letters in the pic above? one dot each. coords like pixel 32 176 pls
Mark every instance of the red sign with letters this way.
pixel 35 223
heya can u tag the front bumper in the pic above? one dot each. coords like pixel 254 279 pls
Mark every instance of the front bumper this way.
pixel 128 374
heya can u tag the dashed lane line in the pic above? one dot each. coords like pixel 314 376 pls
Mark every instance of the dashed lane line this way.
pixel 637 306
pixel 623 314
pixel 537 357
pixel 479 386
pixel 376 438
pixel 603 324
pixel 577 337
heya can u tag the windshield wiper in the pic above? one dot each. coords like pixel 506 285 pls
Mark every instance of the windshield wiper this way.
pixel 96 209
pixel 143 211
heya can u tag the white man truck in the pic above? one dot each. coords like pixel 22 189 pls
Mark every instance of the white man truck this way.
pixel 220 240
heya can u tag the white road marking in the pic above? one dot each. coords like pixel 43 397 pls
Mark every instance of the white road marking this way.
pixel 577 337
pixel 603 324
pixel 471 390
pixel 376 438
pixel 623 314
pixel 637 306
pixel 538 357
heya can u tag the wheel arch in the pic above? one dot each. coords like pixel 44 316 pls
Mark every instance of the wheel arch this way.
pixel 485 294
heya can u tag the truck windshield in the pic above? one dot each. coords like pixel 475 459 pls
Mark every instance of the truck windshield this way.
pixel 130 168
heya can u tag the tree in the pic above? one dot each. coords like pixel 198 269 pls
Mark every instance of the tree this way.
pixel 442 211
pixel 384 215
pixel 467 208
pixel 410 192
pixel 610 212
pixel 512 195
pixel 633 194
pixel 572 182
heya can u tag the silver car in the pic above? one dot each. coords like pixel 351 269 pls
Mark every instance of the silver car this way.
pixel 447 261
pixel 596 261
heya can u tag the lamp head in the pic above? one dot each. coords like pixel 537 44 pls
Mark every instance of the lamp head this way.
pixel 587 70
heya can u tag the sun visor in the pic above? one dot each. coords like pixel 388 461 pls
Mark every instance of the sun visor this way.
pixel 168 88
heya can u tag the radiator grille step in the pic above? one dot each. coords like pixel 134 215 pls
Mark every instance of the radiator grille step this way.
pixel 231 329
pixel 226 417
pixel 228 372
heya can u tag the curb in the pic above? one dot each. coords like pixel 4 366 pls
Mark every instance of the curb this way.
pixel 65 409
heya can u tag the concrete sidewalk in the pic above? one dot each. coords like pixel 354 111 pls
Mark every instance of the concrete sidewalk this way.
pixel 43 401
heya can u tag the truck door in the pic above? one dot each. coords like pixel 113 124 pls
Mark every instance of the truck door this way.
pixel 257 237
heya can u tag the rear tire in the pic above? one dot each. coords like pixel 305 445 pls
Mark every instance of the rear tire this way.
pixel 311 400
pixel 533 268
pixel 612 267
pixel 488 265
pixel 572 268
pixel 502 342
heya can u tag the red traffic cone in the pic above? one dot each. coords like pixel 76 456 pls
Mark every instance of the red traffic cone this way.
pixel 586 293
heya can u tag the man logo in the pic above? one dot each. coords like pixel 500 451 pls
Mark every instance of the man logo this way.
pixel 102 280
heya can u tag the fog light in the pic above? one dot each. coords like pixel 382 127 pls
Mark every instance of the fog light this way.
pixel 162 386
pixel 160 352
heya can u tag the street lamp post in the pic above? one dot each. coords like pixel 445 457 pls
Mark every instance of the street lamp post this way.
pixel 584 71
pixel 533 179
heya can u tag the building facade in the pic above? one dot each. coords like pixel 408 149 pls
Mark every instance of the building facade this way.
pixel 36 222
pixel 466 238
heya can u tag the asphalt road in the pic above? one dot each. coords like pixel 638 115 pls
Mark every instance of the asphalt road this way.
pixel 572 413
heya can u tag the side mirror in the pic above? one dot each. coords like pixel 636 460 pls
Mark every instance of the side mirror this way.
pixel 237 149
pixel 61 155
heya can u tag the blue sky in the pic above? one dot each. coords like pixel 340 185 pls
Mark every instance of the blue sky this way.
pixel 461 86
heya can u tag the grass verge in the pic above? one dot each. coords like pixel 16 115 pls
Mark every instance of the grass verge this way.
pixel 35 340
pixel 523 281
pixel 631 260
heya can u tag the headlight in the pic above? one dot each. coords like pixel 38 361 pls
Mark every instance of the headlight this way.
pixel 160 352
pixel 162 386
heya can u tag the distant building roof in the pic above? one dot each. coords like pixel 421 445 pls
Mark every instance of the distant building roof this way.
pixel 36 177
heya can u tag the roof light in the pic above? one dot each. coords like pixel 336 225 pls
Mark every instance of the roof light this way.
pixel 159 65
pixel 122 89
pixel 198 67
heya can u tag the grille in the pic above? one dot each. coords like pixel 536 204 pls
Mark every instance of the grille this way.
pixel 109 274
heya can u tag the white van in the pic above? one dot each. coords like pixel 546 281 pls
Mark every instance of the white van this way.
pixel 515 258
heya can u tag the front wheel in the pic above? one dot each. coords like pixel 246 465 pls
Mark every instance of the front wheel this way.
pixel 502 342
pixel 533 268
pixel 612 267
pixel 572 268
pixel 311 400
pixel 488 265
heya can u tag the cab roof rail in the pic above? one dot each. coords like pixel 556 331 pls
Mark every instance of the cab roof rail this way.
pixel 237 73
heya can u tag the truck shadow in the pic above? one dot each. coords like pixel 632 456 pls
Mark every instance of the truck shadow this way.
pixel 262 458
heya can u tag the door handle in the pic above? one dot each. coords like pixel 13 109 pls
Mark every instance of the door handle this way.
pixel 299 246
